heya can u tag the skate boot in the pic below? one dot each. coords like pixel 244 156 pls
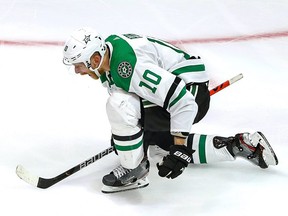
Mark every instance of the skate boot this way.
pixel 254 147
pixel 122 179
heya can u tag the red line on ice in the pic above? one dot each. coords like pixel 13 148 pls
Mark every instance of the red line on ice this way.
pixel 233 38
pixel 183 41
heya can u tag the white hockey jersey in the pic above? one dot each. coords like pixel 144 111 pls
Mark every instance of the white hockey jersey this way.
pixel 157 72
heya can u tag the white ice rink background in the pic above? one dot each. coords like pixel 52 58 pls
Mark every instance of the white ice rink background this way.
pixel 51 119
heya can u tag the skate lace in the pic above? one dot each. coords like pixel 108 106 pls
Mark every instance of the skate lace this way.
pixel 120 171
pixel 256 150
pixel 245 140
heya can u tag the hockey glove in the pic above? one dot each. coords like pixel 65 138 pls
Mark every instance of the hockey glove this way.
pixel 175 163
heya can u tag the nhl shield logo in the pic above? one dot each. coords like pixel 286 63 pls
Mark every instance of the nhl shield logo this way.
pixel 124 69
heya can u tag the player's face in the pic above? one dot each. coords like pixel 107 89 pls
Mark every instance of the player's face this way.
pixel 80 68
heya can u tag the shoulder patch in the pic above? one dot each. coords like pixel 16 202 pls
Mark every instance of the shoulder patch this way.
pixel 125 69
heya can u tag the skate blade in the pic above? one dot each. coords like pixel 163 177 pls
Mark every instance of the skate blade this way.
pixel 269 155
pixel 141 183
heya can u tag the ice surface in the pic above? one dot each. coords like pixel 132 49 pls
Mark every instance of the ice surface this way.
pixel 51 119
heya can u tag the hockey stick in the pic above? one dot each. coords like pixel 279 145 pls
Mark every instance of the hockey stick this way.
pixel 226 84
pixel 48 182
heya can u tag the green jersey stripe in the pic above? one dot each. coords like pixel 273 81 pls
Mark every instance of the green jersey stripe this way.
pixel 186 56
pixel 194 90
pixel 188 69
pixel 103 78
pixel 202 153
pixel 180 95
pixel 128 148
pixel 146 103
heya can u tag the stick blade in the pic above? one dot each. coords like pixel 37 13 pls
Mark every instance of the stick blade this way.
pixel 26 176
pixel 236 78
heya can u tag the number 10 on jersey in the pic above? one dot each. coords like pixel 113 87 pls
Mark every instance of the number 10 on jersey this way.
pixel 151 80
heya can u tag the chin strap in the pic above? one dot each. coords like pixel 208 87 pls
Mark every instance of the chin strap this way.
pixel 96 69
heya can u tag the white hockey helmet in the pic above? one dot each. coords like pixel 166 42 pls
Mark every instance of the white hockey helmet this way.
pixel 81 45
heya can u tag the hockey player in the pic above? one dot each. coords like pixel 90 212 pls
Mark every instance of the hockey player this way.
pixel 157 92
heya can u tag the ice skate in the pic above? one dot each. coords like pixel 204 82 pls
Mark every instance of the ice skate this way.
pixel 122 179
pixel 254 147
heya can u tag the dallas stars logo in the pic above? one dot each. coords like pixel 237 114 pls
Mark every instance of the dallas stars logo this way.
pixel 124 69
pixel 87 38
